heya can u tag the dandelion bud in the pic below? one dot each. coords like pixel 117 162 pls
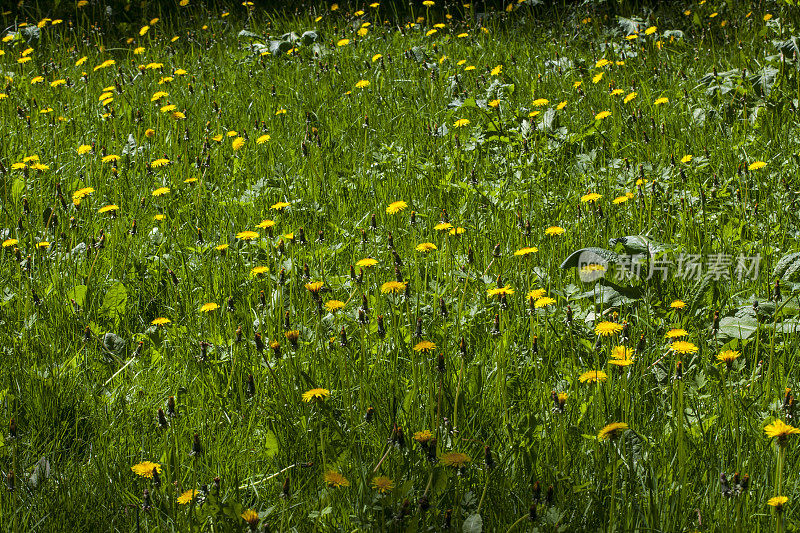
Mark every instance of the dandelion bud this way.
pixel 390 241
pixel 364 238
pixel 12 429
pixel 424 504
pixel 369 416
pixel 776 292
pixel 146 503
pixel 281 247
pixel 174 277
pixel 745 484
pixel 259 341
pixel 443 308
pixel 156 478
pixel 162 419
pixel 292 336
pixel 306 271
pixel 470 256
pixel 550 495
pixel 640 346
pixel 87 334
pixel 282 276
pixel 200 235
pixel 197 448
pixel 343 338
pixel 397 261
pixel 418 329
pixel 231 307
pixel 448 519
pixel 569 315
pixel 11 481
pixel 300 236
pixel 413 219
pixel 286 321
pixel 532 512
pixel 496 327
pixel 360 278
pixel 487 457
pixel 440 363
pixel 398 275
pixel 381 329
pixel 496 251
pixel 203 350
pixel 362 316
pixel 535 344
pixel 286 491
pixel 679 370
pixel 398 437
pixel 364 303
pixel 537 491
pixel 276 349
pixel 373 223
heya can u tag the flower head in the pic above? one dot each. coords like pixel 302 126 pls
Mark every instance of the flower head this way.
pixel 425 247
pixel 728 357
pixel 314 286
pixel 553 231
pixel 526 251
pixel 161 321
pixel 145 469
pixel 209 307
pixel 251 517
pixel 780 430
pixel 316 395
pixel 423 437
pixel 383 484
pixel 187 496
pixel 684 347
pixel 367 262
pixel 396 207
pixel 247 235
pixel 604 329
pixel 424 346
pixel 612 431
pixel 593 376
pixel 455 459
pixel 777 502
pixel 335 479
pixel 500 291
pixel 592 197
pixel 676 333
pixel 334 305
pixel 393 287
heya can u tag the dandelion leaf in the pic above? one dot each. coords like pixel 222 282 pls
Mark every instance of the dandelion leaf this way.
pixel 575 257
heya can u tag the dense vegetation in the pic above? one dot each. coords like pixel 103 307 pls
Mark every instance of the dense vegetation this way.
pixel 349 268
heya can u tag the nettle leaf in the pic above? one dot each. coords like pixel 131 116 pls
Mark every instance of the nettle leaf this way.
pixel 788 267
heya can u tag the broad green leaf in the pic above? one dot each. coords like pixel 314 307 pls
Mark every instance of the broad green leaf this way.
pixel 788 267
pixel 738 327
pixel 78 294
pixel 473 524
pixel 115 300
pixel 591 253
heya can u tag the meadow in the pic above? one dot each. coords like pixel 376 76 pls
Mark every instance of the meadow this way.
pixel 371 267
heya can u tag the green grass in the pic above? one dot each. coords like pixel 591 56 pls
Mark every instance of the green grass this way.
pixel 84 370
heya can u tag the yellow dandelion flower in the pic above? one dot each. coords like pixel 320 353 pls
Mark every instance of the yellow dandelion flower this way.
pixel 209 307
pixel 661 101
pixel 424 346
pixel 591 197
pixel 160 321
pixel 500 291
pixel 684 347
pixel 9 243
pixel 455 459
pixel 247 235
pixel 778 502
pixel 629 97
pixel 237 143
pixel 316 395
pixel 593 376
pixel 396 207
pixel 314 286
pixel 280 206
pixel 612 431
pixel 187 496
pixel 756 165
pixel 145 469
pixel 676 333
pixel 262 139
pixel 161 191
pixel 604 329
pixel 343 42
pixel 423 437
pixel 535 294
pixel 84 149
pixel 780 430
pixel 335 479
pixel 544 302
pixel 443 226
pixel 426 247
pixel 383 484
pixel 334 305
pixel 396 287
pixel 526 251
pixel 460 123
pixel 258 271
pixel 108 208
pixel 601 115
pixel 366 262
